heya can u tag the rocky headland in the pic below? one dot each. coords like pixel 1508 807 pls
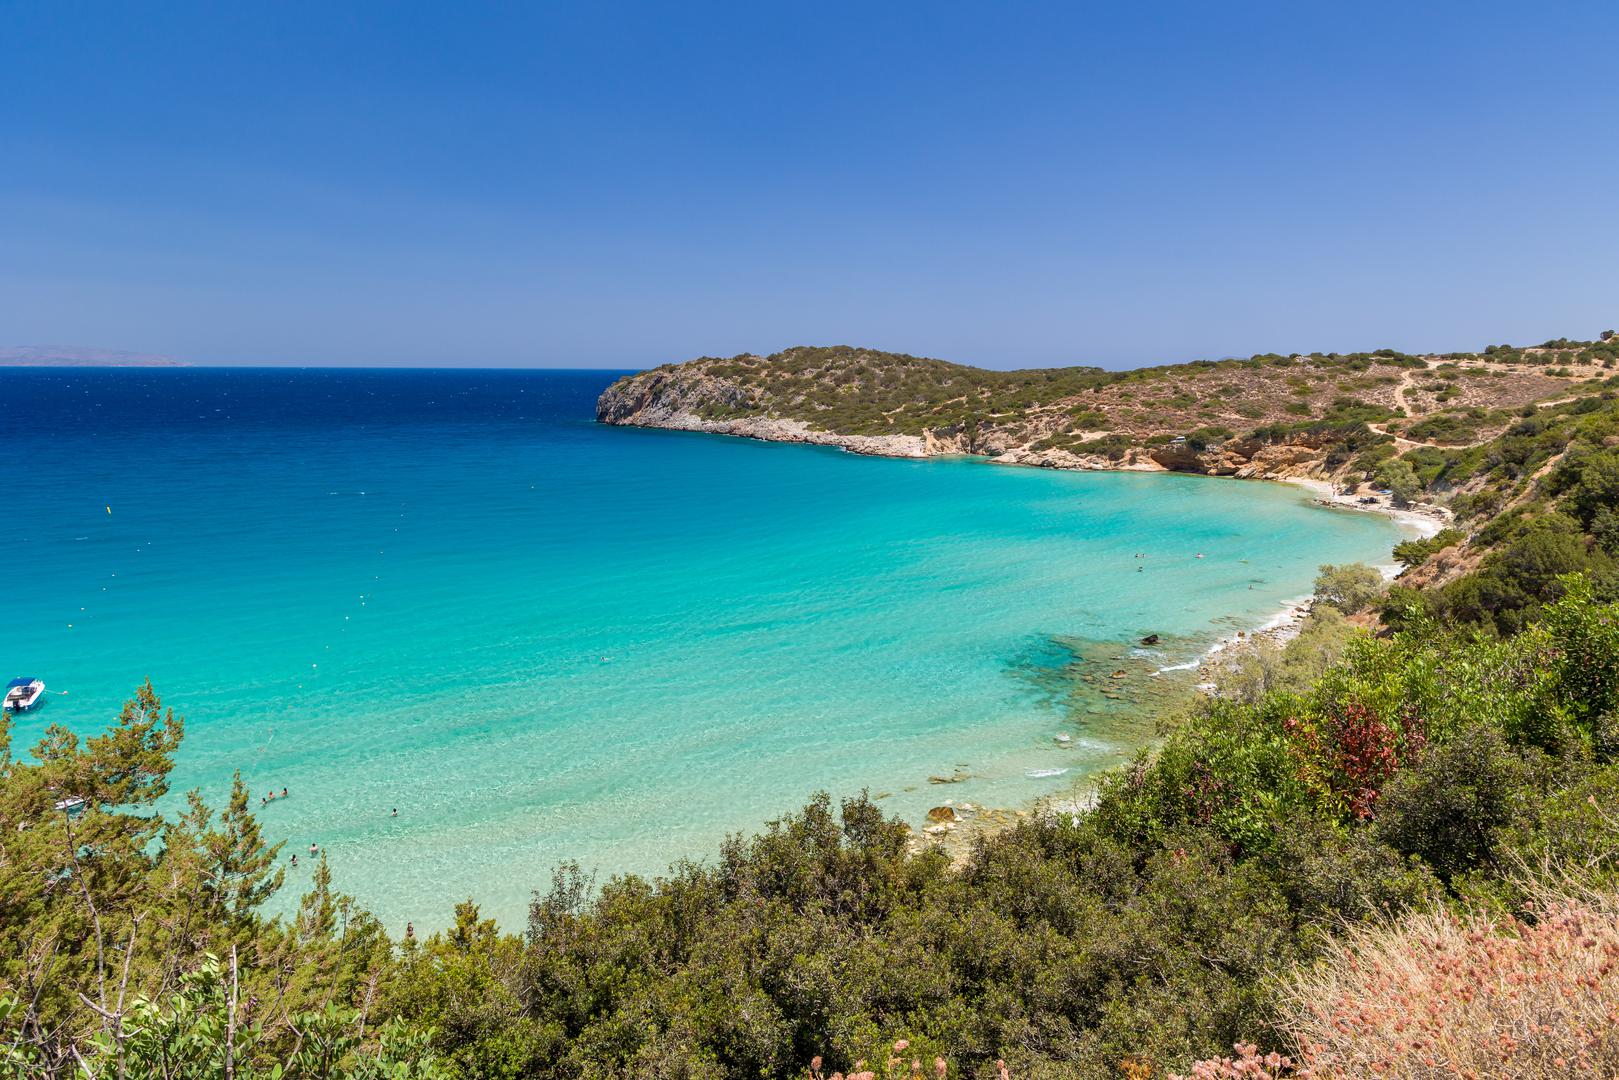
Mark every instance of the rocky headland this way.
pixel 1358 427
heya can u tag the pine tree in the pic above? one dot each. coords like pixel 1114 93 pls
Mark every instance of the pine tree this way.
pixel 317 911
pixel 242 865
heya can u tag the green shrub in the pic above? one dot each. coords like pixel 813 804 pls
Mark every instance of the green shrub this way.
pixel 1351 588
pixel 1415 552
pixel 1449 808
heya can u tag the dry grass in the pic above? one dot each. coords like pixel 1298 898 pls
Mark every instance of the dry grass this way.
pixel 1443 996
pixel 1440 995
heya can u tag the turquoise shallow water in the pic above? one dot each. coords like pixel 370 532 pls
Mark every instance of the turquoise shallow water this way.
pixel 540 639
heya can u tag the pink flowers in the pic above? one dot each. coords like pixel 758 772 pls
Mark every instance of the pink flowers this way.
pixel 897 1067
pixel 1247 1065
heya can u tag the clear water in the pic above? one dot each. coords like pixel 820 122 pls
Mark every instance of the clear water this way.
pixel 453 594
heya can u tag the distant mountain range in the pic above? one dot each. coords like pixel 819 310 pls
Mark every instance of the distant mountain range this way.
pixel 79 356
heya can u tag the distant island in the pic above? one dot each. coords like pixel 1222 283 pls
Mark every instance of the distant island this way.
pixel 79 356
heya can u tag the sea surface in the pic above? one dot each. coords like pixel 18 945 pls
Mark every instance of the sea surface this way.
pixel 475 634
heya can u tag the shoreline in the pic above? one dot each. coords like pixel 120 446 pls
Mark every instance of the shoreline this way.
pixel 1422 520
pixel 957 837
pixel 958 825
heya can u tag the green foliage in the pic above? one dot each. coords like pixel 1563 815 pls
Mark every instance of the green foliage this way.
pixel 1400 479
pixel 205 1029
pixel 1267 668
pixel 1350 588
pixel 106 908
pixel 1526 572
pixel 1416 552
pixel 1449 428
pixel 1449 808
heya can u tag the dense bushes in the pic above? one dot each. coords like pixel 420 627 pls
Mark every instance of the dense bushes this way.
pixel 1523 573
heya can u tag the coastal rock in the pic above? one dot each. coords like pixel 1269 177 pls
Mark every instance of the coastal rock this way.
pixel 688 397
pixel 684 401
pixel 942 813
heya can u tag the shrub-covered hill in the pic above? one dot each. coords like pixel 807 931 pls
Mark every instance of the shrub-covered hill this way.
pixel 923 405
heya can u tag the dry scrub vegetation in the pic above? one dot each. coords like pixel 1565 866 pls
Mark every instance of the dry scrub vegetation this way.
pixel 1443 995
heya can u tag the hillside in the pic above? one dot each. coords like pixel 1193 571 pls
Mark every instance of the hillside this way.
pixel 1267 415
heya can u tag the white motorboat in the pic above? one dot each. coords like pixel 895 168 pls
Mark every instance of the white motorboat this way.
pixel 24 693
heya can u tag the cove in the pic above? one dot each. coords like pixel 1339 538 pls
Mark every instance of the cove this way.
pixel 452 594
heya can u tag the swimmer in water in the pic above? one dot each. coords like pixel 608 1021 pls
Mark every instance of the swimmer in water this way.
pixel 395 812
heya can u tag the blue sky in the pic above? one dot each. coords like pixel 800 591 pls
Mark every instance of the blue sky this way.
pixel 619 185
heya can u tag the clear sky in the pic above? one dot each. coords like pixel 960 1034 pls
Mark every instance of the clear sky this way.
pixel 617 185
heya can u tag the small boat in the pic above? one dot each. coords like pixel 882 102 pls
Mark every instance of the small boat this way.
pixel 24 693
pixel 73 804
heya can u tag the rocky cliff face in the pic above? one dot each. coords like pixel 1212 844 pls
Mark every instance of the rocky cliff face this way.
pixel 685 399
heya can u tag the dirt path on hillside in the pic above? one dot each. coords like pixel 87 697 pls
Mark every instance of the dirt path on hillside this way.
pixel 1403 403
